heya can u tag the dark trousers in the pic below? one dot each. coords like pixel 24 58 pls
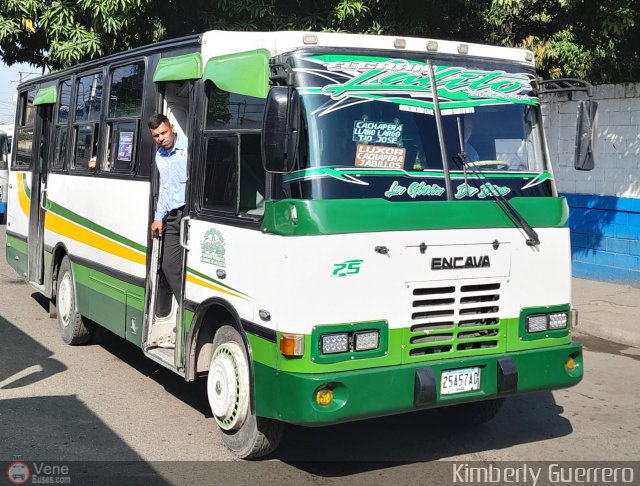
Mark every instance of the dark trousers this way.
pixel 172 253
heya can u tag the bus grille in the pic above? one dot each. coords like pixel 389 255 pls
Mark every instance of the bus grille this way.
pixel 453 320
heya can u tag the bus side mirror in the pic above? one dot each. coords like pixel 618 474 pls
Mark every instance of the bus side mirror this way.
pixel 586 135
pixel 280 130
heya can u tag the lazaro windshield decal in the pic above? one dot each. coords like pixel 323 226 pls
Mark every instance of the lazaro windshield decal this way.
pixel 348 80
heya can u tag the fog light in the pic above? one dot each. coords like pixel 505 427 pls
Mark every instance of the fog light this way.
pixel 570 364
pixel 558 320
pixel 367 340
pixel 324 396
pixel 334 343
pixel 537 323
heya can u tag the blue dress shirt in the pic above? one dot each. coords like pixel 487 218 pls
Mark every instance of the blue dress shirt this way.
pixel 172 166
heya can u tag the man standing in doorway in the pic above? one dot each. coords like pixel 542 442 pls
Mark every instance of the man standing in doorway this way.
pixel 171 161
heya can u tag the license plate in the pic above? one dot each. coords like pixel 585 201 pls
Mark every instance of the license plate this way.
pixel 458 381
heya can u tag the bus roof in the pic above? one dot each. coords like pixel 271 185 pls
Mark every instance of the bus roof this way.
pixel 219 42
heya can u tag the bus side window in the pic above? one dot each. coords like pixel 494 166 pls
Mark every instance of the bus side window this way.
pixel 24 131
pixel 87 119
pixel 221 174
pixel 234 176
pixel 252 175
pixel 124 112
pixel 62 125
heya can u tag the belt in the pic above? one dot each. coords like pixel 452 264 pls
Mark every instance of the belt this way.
pixel 175 211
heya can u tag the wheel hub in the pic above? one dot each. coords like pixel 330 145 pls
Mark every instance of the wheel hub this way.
pixel 65 299
pixel 228 386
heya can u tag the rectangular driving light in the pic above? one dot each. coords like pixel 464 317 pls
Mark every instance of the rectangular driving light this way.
pixel 366 340
pixel 558 320
pixel 537 323
pixel 334 343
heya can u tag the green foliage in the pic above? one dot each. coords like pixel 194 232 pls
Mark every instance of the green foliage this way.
pixel 577 38
pixel 62 32
pixel 581 38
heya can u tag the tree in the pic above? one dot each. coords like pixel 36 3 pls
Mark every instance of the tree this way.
pixel 62 32
pixel 579 38
pixel 595 40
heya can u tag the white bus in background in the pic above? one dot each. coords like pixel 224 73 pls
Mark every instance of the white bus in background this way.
pixel 6 138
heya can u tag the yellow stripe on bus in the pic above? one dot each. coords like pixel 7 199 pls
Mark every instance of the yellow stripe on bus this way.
pixel 203 283
pixel 71 230
pixel 22 195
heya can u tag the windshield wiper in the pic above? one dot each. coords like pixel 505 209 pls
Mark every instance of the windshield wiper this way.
pixel 505 205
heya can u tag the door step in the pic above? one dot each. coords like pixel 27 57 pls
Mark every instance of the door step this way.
pixel 164 357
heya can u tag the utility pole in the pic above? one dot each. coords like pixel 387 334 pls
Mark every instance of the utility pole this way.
pixel 24 75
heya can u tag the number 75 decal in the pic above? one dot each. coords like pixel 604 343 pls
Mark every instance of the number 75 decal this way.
pixel 350 267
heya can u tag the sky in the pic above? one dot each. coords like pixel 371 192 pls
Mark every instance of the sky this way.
pixel 9 77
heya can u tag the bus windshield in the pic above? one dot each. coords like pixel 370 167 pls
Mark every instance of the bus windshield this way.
pixel 368 121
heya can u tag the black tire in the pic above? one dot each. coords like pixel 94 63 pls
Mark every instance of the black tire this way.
pixel 474 413
pixel 74 328
pixel 244 434
pixel 3 217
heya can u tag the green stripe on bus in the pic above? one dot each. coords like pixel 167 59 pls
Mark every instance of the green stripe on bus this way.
pixel 27 190
pixel 400 348
pixel 214 281
pixel 339 173
pixel 335 216
pixel 87 223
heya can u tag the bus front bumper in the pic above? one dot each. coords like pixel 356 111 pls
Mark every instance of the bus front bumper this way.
pixel 374 392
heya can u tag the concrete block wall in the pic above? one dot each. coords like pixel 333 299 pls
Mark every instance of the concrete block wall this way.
pixel 605 203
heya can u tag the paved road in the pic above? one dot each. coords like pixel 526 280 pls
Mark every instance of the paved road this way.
pixel 106 402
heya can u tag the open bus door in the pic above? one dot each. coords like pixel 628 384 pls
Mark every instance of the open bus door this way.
pixel 163 336
pixel 38 193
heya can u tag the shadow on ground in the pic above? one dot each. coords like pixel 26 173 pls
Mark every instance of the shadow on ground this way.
pixel 23 360
pixel 56 428
pixel 382 442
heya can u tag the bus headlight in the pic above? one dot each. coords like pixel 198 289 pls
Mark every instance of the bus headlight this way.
pixel 366 340
pixel 334 343
pixel 558 320
pixel 537 323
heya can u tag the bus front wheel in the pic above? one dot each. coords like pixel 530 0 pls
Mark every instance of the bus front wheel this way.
pixel 74 328
pixel 229 394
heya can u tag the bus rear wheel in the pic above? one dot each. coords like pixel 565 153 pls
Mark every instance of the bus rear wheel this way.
pixel 229 394
pixel 74 328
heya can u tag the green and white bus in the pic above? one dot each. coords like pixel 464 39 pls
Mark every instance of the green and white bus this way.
pixel 372 225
